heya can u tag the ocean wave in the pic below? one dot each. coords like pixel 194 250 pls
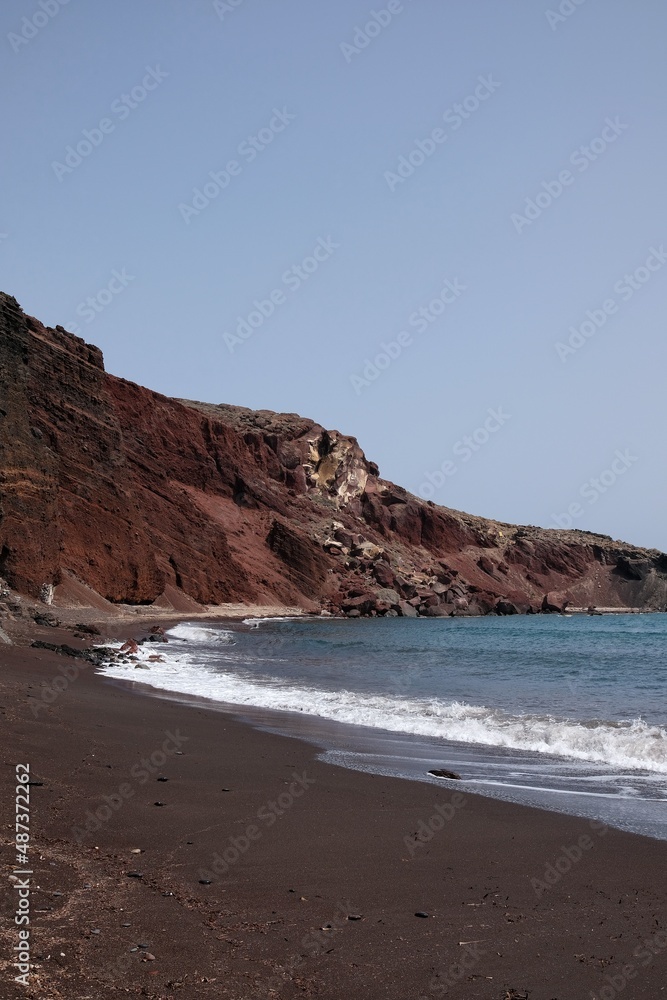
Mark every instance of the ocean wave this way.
pixel 632 745
pixel 255 622
pixel 200 633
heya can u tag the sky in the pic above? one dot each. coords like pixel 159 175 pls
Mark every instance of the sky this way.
pixel 438 226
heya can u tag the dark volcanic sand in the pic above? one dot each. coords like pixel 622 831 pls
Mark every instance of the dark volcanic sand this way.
pixel 337 850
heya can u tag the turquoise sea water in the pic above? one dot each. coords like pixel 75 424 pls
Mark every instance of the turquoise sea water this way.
pixel 569 713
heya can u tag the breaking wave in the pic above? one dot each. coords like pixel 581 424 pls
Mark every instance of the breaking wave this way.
pixel 217 675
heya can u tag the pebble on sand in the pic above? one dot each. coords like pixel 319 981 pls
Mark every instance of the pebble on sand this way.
pixel 442 772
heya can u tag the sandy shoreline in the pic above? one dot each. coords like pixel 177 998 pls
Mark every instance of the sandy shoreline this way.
pixel 519 901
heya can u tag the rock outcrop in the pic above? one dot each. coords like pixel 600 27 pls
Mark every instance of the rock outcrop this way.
pixel 110 486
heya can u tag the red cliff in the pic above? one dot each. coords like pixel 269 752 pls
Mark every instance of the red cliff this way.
pixel 145 498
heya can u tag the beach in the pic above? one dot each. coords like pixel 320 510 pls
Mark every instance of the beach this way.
pixel 333 558
pixel 267 873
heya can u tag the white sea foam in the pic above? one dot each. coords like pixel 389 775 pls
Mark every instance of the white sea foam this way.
pixel 631 745
pixel 200 633
pixel 256 622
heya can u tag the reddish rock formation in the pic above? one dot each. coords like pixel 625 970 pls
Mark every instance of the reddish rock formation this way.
pixel 109 486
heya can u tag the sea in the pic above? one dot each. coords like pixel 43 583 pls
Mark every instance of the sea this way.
pixel 566 713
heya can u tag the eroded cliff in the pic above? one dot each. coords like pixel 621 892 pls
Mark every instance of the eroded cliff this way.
pixel 144 498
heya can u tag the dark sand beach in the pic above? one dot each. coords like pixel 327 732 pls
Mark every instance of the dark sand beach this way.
pixel 517 902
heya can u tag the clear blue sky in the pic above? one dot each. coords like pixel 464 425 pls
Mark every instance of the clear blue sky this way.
pixel 304 119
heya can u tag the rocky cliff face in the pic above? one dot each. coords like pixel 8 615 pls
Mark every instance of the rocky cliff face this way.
pixel 144 498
